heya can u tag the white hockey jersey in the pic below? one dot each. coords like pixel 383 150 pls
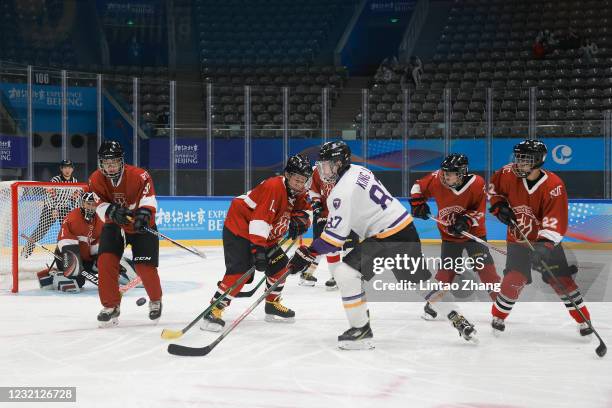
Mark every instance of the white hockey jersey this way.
pixel 360 203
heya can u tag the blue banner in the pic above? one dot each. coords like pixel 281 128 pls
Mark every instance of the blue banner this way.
pixel 50 97
pixel 13 152
pixel 564 154
pixel 201 218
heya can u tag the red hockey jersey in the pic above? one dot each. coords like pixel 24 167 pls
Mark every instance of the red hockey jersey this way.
pixel 541 211
pixel 319 191
pixel 469 200
pixel 76 230
pixel 134 190
pixel 262 214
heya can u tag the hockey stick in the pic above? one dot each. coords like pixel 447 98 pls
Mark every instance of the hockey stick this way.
pixel 602 348
pixel 178 244
pixel 179 350
pixel 175 334
pixel 87 275
pixel 252 291
pixel 472 237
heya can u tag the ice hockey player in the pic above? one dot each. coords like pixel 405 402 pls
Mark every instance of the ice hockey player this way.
pixel 461 200
pixel 255 223
pixel 77 245
pixel 127 205
pixel 319 191
pixel 57 205
pixel 535 200
pixel 358 202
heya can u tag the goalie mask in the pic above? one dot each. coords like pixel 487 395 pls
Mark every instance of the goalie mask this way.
pixel 529 154
pixel 88 205
pixel 453 170
pixel 334 160
pixel 298 173
pixel 111 161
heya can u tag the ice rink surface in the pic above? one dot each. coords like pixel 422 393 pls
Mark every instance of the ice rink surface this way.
pixel 52 339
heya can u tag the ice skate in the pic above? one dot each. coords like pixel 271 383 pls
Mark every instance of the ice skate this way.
pixel 155 309
pixel 584 329
pixel 108 317
pixel 498 326
pixel 463 326
pixel 331 284
pixel 276 312
pixel 357 338
pixel 307 279
pixel 213 321
pixel 428 312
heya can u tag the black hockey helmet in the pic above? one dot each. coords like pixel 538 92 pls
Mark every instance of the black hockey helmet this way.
pixel 300 165
pixel 454 163
pixel 528 152
pixel 66 163
pixel 88 205
pixel 111 150
pixel 338 154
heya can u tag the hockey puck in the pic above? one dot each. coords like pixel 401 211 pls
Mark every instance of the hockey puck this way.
pixel 141 301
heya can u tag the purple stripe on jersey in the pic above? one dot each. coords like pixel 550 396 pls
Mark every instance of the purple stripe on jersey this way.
pixel 334 235
pixel 401 218
pixel 322 247
pixel 346 299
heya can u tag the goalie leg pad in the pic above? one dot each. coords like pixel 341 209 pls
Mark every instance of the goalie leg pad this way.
pixel 45 280
pixel 64 284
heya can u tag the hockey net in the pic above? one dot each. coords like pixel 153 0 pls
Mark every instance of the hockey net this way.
pixel 35 209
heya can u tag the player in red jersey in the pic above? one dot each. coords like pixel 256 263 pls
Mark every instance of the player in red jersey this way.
pixel 461 200
pixel 127 205
pixel 319 191
pixel 255 222
pixel 77 244
pixel 534 199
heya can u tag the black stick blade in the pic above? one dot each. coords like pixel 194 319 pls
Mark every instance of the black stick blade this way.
pixel 178 350
pixel 601 350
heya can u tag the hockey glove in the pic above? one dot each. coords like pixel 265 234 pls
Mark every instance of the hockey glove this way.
pixel 462 223
pixel 420 208
pixel 260 260
pixel 503 212
pixel 542 253
pixel 317 209
pixel 142 219
pixel 301 260
pixel 118 214
pixel 298 224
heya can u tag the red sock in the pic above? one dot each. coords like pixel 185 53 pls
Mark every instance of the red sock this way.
pixel 275 294
pixel 511 287
pixel 488 274
pixel 445 275
pixel 568 283
pixel 108 275
pixel 150 280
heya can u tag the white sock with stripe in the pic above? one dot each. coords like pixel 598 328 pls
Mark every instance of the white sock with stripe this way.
pixel 353 295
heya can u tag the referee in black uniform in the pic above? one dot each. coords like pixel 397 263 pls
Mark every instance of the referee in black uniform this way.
pixel 55 207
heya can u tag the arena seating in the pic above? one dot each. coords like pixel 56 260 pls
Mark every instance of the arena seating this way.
pixel 36 24
pixel 488 43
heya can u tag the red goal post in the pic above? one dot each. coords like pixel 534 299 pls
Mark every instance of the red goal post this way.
pixel 33 208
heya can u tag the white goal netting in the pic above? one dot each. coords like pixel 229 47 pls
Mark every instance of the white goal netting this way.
pixel 37 210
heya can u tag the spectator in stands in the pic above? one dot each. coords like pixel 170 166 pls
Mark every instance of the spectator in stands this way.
pixel 588 50
pixel 538 49
pixel 417 70
pixel 135 52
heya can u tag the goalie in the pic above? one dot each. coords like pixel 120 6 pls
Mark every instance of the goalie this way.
pixel 77 247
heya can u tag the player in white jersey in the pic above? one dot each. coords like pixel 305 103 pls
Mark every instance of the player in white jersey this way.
pixel 360 203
